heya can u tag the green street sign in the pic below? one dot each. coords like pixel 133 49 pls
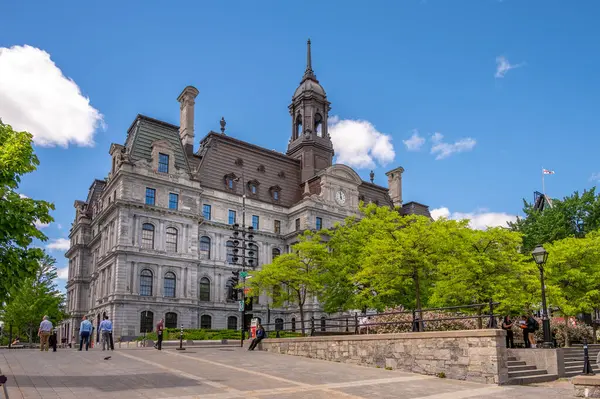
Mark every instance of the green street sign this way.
pixel 243 274
pixel 241 305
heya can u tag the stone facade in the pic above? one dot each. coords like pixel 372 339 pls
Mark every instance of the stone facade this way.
pixel 473 355
pixel 151 239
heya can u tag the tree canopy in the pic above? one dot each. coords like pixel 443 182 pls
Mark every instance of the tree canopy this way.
pixel 19 214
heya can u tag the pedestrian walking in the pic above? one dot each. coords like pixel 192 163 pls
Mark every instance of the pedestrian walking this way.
pixel 85 333
pixel 106 330
pixel 44 333
pixel 507 325
pixel 160 326
pixel 260 335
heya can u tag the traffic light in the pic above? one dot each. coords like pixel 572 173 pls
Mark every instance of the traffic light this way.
pixel 248 304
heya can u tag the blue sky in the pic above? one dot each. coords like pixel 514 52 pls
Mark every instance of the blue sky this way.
pixel 489 91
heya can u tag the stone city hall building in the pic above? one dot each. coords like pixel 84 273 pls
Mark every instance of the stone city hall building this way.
pixel 152 240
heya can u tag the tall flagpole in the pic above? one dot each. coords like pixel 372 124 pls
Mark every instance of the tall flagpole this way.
pixel 543 185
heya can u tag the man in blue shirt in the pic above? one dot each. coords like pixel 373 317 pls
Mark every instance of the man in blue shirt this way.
pixel 85 331
pixel 44 333
pixel 106 331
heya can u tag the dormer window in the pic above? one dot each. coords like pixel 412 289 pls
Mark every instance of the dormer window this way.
pixel 163 163
pixel 229 181
pixel 275 192
pixel 253 187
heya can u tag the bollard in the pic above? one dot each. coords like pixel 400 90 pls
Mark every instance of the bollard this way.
pixel 181 348
pixel 587 367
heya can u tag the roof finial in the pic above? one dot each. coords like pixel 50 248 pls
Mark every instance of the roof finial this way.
pixel 223 123
pixel 372 176
pixel 309 71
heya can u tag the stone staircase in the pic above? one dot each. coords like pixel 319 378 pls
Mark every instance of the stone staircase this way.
pixel 519 373
pixel 573 360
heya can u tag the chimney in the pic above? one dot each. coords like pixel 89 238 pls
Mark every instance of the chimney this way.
pixel 395 185
pixel 186 124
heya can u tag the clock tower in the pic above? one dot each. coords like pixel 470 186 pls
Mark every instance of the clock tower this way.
pixel 310 141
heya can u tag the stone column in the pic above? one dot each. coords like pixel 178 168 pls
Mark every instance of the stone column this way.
pixel 159 279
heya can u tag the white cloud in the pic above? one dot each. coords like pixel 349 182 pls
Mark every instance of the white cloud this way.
pixel 503 66
pixel 415 142
pixel 480 219
pixel 444 150
pixel 41 225
pixel 59 226
pixel 358 143
pixel 23 196
pixel 38 98
pixel 59 244
pixel 595 177
pixel 63 273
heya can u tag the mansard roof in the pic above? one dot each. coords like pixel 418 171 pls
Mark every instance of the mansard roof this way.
pixel 145 130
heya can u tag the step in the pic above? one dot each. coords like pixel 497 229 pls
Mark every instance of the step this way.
pixel 579 367
pixel 511 363
pixel 533 379
pixel 526 373
pixel 513 369
pixel 576 373
pixel 512 359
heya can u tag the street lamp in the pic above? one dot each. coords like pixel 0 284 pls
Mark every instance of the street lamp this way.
pixel 540 256
pixel 243 254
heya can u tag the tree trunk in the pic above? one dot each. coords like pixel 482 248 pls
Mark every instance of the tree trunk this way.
pixel 301 307
pixel 418 298
pixel 567 340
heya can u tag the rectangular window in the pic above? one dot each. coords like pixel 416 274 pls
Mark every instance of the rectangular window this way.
pixel 163 163
pixel 255 220
pixel 297 224
pixel 319 223
pixel 231 217
pixel 277 227
pixel 173 201
pixel 150 196
pixel 206 211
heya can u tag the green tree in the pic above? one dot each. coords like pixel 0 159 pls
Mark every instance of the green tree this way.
pixel 34 298
pixel 297 273
pixel 573 274
pixel 559 221
pixel 486 265
pixel 18 260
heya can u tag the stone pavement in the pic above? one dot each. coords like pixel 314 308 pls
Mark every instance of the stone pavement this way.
pixel 222 373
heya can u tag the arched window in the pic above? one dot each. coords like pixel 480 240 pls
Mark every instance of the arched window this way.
pixel 205 247
pixel 298 126
pixel 293 324
pixel 323 323
pixel 146 321
pixel 204 289
pixel 148 236
pixel 171 320
pixel 231 291
pixel 230 248
pixel 169 285
pixel 278 324
pixel 319 125
pixel 206 322
pixel 171 239
pixel 275 253
pixel 253 254
pixel 232 323
pixel 146 283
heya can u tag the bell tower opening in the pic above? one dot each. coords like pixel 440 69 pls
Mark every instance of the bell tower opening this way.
pixel 309 110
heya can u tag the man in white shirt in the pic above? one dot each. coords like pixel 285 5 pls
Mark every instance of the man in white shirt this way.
pixel 44 333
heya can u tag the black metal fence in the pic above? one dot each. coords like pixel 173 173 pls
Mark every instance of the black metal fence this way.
pixel 474 316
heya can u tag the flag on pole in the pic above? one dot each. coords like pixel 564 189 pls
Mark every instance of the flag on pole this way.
pixel 547 172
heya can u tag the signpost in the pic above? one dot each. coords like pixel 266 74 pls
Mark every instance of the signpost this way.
pixel 241 305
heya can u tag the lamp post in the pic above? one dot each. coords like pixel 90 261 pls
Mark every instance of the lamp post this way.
pixel 243 254
pixel 540 255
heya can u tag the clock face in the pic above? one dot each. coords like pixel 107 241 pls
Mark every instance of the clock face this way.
pixel 340 197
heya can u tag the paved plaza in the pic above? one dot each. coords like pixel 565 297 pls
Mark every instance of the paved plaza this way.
pixel 220 373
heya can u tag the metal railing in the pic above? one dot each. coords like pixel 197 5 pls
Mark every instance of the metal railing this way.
pixel 429 319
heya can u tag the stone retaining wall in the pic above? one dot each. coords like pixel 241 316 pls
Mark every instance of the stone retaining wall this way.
pixel 472 355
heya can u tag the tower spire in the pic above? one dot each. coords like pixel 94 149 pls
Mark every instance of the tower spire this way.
pixel 309 71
